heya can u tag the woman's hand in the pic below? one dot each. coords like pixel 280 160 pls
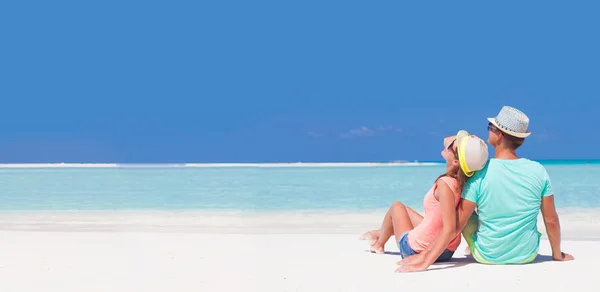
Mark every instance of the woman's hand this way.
pixel 415 263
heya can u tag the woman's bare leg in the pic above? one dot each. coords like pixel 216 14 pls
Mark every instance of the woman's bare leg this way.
pixel 415 217
pixel 396 221
pixel 373 235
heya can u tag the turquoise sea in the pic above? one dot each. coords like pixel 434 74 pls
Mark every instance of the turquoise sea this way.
pixel 576 184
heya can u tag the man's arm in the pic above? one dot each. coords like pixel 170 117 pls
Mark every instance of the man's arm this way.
pixel 551 220
pixel 465 209
pixel 552 224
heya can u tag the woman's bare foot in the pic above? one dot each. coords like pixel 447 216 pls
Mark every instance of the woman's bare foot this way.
pixel 377 248
pixel 372 235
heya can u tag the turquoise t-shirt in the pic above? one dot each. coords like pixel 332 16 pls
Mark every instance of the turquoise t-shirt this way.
pixel 508 194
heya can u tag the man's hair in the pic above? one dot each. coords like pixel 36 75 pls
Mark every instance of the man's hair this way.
pixel 512 142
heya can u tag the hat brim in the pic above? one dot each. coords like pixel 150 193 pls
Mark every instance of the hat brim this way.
pixel 509 132
pixel 461 139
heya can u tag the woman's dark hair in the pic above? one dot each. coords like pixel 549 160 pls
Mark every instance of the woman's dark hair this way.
pixel 461 177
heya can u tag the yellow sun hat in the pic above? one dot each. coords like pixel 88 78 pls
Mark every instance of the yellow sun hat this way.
pixel 472 152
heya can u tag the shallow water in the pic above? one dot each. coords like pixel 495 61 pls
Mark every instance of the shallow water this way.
pixel 251 188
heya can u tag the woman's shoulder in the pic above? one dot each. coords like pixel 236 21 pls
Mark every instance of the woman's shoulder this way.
pixel 450 181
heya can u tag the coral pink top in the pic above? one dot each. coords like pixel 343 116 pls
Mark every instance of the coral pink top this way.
pixel 420 237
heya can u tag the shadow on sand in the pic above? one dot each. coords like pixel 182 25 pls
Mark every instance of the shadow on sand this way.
pixel 394 253
pixel 456 262
pixel 468 259
pixel 542 258
pixel 453 263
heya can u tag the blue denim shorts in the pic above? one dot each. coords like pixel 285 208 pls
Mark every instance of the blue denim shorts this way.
pixel 406 250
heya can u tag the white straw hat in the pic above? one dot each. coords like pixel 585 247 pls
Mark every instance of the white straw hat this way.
pixel 472 153
pixel 511 121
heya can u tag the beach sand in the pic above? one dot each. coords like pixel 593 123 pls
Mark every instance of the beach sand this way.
pixel 161 251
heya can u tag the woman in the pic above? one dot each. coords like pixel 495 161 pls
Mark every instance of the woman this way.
pixel 464 154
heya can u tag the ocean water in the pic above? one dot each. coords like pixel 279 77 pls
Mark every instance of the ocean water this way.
pixel 252 189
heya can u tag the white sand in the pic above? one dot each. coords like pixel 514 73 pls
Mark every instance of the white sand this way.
pixel 134 252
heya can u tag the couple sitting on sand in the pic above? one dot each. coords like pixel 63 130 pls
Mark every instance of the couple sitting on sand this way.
pixel 507 191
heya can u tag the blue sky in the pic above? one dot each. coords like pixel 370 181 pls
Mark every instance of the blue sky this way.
pixel 267 81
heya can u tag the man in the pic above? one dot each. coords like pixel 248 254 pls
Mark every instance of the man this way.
pixel 509 193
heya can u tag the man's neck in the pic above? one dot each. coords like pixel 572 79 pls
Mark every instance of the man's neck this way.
pixel 504 153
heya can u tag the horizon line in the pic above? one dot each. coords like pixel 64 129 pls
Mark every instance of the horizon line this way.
pixel 248 164
pixel 219 164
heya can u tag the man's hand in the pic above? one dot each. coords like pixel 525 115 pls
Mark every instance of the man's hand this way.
pixel 563 257
pixel 415 263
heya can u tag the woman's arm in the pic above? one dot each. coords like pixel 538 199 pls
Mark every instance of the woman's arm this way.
pixel 445 196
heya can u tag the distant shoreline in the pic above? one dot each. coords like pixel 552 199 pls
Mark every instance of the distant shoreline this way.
pixel 205 165
pixel 271 164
